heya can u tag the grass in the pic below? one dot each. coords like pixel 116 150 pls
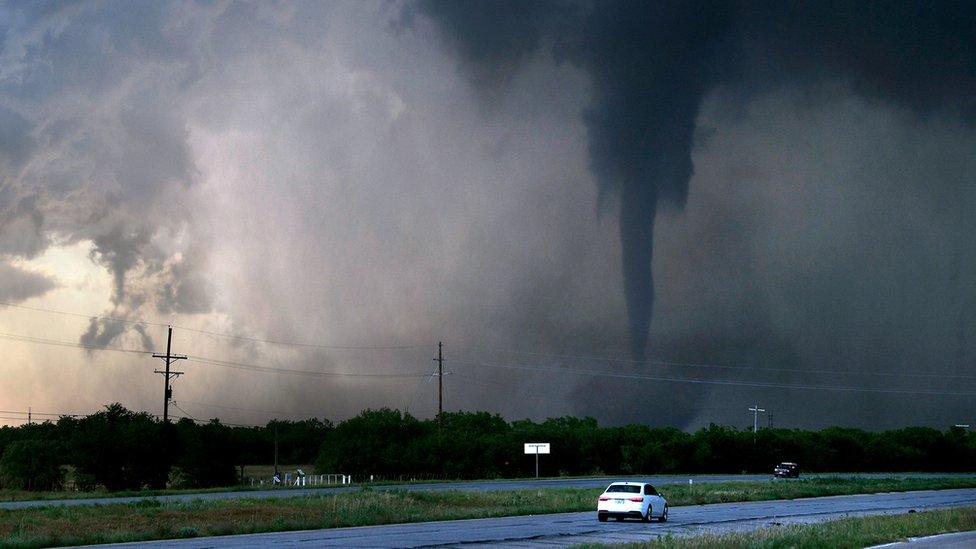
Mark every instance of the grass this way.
pixel 725 492
pixel 254 471
pixel 266 471
pixel 845 533
pixel 151 519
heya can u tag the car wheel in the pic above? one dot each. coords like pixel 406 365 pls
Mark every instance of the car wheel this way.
pixel 664 514
pixel 647 516
pixel 601 518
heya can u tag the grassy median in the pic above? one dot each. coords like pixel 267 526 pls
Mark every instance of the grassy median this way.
pixel 845 533
pixel 151 519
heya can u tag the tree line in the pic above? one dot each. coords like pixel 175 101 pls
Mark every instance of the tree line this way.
pixel 118 449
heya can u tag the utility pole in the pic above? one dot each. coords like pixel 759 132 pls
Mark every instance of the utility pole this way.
pixel 440 373
pixel 755 419
pixel 770 418
pixel 169 358
pixel 28 415
pixel 440 379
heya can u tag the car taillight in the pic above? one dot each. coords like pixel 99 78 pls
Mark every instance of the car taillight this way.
pixel 638 500
pixel 604 498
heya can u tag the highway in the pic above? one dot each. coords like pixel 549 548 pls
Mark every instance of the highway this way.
pixel 483 485
pixel 574 528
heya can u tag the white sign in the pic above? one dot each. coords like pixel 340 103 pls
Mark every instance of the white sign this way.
pixel 536 447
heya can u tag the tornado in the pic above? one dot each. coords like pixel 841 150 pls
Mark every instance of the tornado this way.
pixel 637 212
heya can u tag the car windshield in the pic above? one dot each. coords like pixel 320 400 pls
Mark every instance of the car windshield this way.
pixel 626 488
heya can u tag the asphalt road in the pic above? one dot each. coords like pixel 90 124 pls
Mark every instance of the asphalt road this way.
pixel 573 528
pixel 467 486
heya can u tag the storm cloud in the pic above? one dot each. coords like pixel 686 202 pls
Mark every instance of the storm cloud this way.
pixel 397 174
pixel 17 284
pixel 651 65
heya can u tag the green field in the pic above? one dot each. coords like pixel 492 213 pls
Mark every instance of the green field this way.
pixel 846 533
pixel 150 519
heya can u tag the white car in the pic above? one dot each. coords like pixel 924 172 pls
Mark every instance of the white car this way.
pixel 631 500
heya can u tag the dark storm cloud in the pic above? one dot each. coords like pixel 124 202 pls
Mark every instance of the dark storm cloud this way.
pixel 21 224
pixel 96 133
pixel 20 220
pixel 16 284
pixel 15 140
pixel 101 333
pixel 920 55
pixel 104 332
pixel 651 65
pixel 120 250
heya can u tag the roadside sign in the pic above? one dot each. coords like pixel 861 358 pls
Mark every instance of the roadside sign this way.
pixel 536 447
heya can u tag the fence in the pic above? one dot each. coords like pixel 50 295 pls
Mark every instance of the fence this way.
pixel 291 479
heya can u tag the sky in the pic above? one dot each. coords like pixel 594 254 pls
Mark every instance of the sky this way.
pixel 656 212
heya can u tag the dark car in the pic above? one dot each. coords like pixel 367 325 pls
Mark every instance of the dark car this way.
pixel 786 470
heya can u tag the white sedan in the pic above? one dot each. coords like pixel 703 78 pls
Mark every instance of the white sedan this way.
pixel 631 500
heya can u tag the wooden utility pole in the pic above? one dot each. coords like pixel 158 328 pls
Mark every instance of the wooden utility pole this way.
pixel 755 418
pixel 440 379
pixel 169 358
pixel 440 373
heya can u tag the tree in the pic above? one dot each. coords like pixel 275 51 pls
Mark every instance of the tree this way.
pixel 371 443
pixel 32 465
pixel 122 449
pixel 208 455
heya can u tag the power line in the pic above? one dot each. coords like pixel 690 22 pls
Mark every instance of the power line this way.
pixel 202 360
pixel 303 344
pixel 728 367
pixel 40 413
pixel 177 406
pixel 254 367
pixel 214 333
pixel 418 346
pixel 207 422
pixel 578 371
pixel 73 344
pixel 268 369
pixel 234 408
pixel 81 315
pixel 313 373
pixel 481 380
pixel 417 390
pixel 157 416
